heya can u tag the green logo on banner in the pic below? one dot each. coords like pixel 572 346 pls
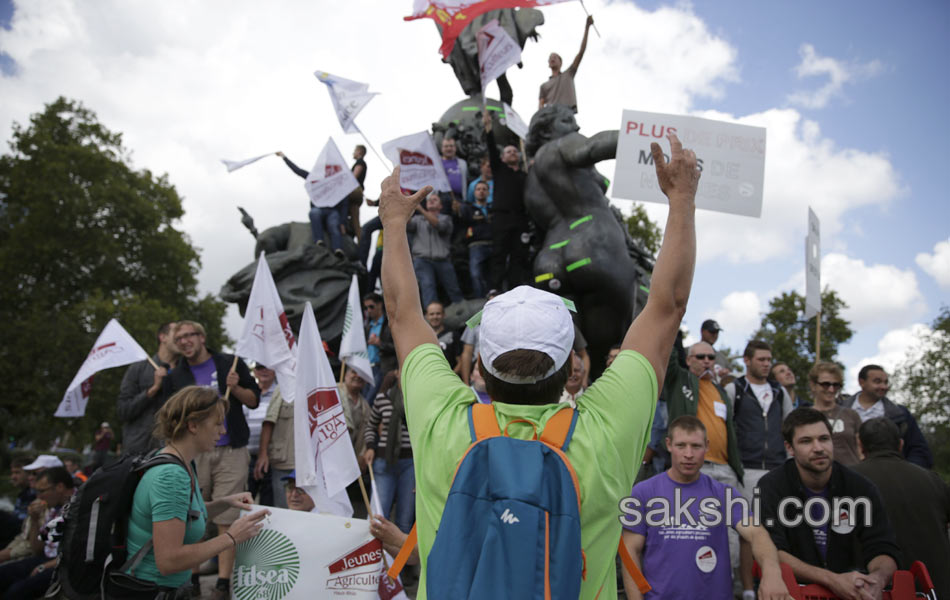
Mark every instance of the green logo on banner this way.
pixel 266 567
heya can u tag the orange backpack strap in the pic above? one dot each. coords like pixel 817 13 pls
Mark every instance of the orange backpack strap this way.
pixel 632 568
pixel 400 561
pixel 558 428
pixel 483 422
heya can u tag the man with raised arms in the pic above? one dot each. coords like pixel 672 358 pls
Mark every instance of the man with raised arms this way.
pixel 525 371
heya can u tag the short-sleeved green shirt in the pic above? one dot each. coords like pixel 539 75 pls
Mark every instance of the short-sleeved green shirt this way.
pixel 160 496
pixel 612 431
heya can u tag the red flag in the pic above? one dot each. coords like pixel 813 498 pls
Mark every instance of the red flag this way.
pixel 452 16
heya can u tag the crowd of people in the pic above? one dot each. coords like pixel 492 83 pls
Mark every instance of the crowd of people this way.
pixel 703 433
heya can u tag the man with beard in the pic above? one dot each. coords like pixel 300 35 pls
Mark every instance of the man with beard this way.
pixel 828 522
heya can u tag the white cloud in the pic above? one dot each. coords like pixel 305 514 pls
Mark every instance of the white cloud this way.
pixel 739 315
pixel 875 294
pixel 802 169
pixel 190 83
pixel 839 73
pixel 937 265
pixel 895 347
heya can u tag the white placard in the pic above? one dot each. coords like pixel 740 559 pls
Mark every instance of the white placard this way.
pixel 732 158
pixel 307 556
pixel 813 266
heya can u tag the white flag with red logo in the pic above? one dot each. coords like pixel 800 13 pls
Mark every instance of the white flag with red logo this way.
pixel 324 457
pixel 420 163
pixel 496 52
pixel 514 122
pixel 267 337
pixel 234 165
pixel 353 343
pixel 389 589
pixel 349 98
pixel 330 180
pixel 113 348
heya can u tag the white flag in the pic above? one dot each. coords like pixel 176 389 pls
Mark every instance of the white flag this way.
pixel 234 165
pixel 324 457
pixel 496 52
pixel 388 589
pixel 348 97
pixel 514 122
pixel 353 342
pixel 420 163
pixel 113 348
pixel 330 180
pixel 812 266
pixel 267 336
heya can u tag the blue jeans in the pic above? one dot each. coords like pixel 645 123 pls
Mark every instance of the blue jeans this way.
pixel 478 265
pixel 331 217
pixel 428 271
pixel 397 482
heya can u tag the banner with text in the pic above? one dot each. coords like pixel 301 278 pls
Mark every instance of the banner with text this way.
pixel 731 156
pixel 308 556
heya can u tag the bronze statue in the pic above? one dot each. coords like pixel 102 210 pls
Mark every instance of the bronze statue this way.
pixel 587 254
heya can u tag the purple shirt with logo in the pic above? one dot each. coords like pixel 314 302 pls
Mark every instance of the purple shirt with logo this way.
pixel 454 175
pixel 817 512
pixel 206 374
pixel 699 552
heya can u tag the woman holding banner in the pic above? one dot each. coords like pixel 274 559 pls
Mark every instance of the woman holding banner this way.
pixel 168 515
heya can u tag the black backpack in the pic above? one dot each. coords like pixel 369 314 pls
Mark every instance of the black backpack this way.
pixel 96 524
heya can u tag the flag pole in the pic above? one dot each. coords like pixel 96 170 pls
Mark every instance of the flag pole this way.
pixel 373 148
pixel 152 362
pixel 588 14
pixel 342 369
pixel 369 505
pixel 227 392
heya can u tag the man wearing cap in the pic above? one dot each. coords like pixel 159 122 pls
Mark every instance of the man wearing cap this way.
pixel 709 331
pixel 525 357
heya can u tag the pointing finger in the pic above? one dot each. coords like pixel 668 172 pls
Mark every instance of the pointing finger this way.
pixel 676 147
pixel 658 157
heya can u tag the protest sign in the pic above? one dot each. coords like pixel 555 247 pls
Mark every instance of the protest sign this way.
pixel 420 163
pixel 267 337
pixel 113 348
pixel 731 157
pixel 330 180
pixel 812 266
pixel 308 556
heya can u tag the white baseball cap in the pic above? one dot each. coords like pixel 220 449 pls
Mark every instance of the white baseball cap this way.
pixel 525 318
pixel 44 461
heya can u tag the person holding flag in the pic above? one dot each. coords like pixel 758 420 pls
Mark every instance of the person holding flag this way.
pixel 221 472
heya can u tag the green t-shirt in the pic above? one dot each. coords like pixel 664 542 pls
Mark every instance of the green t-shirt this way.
pixel 160 496
pixel 612 431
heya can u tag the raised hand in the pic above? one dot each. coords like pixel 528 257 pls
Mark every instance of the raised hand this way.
pixel 395 208
pixel 679 177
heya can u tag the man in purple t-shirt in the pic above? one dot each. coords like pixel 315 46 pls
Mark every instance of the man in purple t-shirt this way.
pixel 680 516
pixel 456 170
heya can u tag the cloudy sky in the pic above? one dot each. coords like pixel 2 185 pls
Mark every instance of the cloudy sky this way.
pixel 853 96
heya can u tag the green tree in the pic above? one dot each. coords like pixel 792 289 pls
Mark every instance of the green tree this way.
pixel 644 230
pixel 84 237
pixel 922 381
pixel 793 339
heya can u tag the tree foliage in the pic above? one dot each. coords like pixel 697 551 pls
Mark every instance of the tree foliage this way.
pixel 922 380
pixel 84 237
pixel 793 339
pixel 644 230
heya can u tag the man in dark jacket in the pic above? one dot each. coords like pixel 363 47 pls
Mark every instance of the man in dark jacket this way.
pixel 872 402
pixel 846 531
pixel 223 471
pixel 379 343
pixel 140 394
pixel 917 500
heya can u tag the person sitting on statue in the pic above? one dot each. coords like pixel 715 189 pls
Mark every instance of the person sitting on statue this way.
pixel 430 251
pixel 323 219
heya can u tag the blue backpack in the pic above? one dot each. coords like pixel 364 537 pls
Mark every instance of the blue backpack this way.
pixel 511 526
